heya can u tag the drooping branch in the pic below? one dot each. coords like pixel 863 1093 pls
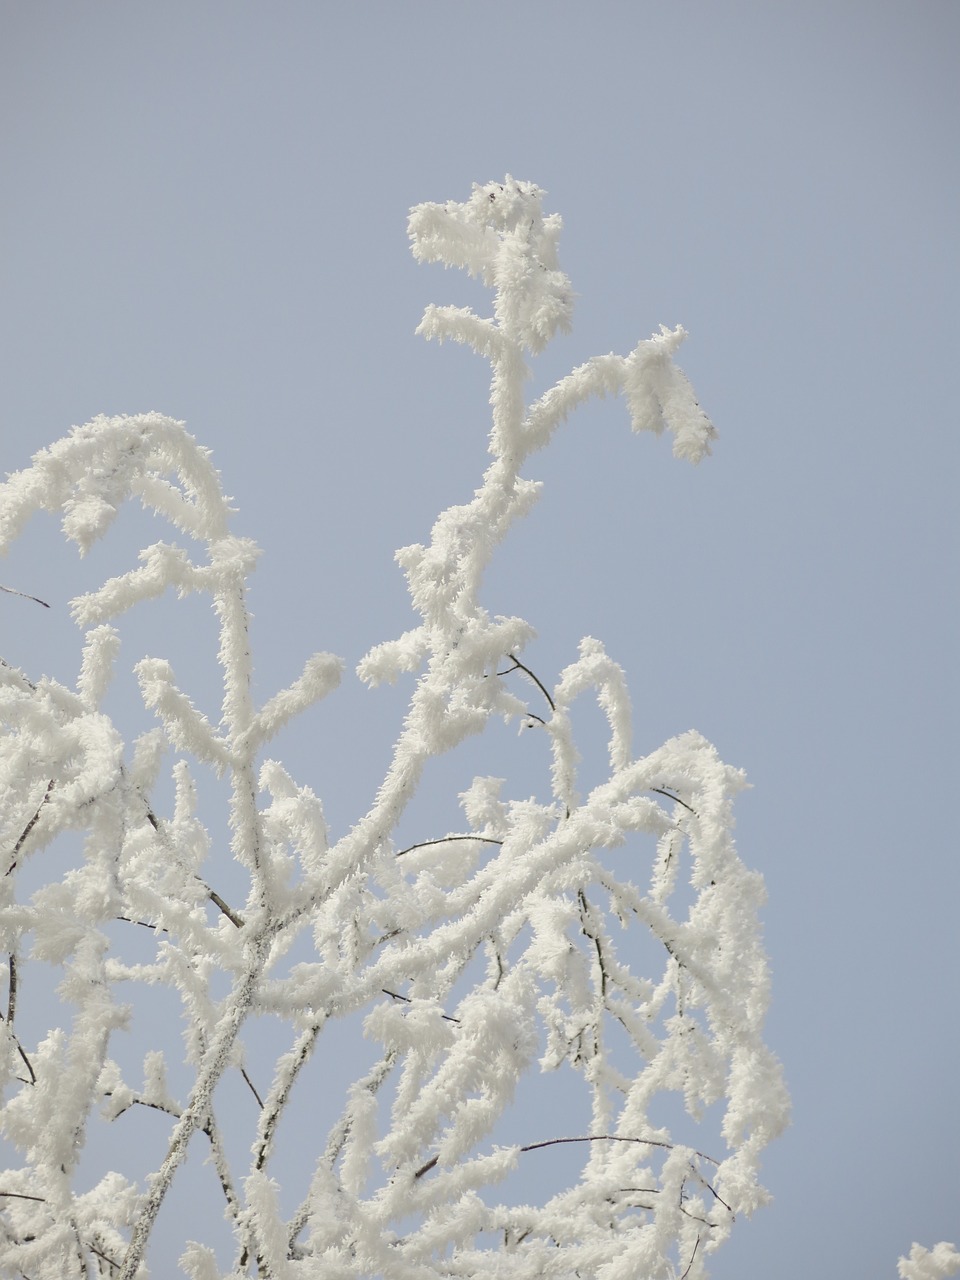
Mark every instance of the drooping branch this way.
pixel 520 666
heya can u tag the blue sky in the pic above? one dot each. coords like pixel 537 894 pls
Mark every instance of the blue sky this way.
pixel 204 214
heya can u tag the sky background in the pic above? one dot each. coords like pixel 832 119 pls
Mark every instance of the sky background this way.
pixel 204 212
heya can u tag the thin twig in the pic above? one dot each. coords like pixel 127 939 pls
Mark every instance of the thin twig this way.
pixel 660 792
pixel 144 924
pixel 594 938
pixel 20 1195
pixel 446 840
pixel 278 1097
pixel 703 1182
pixel 111 1262
pixel 18 673
pixel 395 995
pixel 696 1217
pixel 140 1102
pixel 597 1137
pixel 209 1128
pixel 518 665
pixel 339 1134
pixel 12 989
pixel 593 1137
pixel 252 1086
pixel 30 825
pixel 26 1061
pixel 36 599
pixel 500 966
pixel 692 1256
pixel 234 917
pixel 20 1049
pixel 224 1176
pixel 614 1137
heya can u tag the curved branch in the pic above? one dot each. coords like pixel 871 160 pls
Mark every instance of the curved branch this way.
pixel 423 844
pixel 519 666
pixel 595 1137
pixel 660 792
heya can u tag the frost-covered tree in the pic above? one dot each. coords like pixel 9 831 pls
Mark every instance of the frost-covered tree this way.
pixel 476 958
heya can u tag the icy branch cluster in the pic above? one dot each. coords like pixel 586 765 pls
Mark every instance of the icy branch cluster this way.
pixel 477 957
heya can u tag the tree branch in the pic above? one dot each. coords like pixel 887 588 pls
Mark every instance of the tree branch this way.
pixel 660 792
pixel 11 1011
pixel 519 666
pixel 597 1137
pixel 23 595
pixel 253 1090
pixel 277 1098
pixel 144 924
pixel 395 995
pixel 12 988
pixel 690 1263
pixel 234 917
pixel 423 844
pixel 585 912
pixel 29 827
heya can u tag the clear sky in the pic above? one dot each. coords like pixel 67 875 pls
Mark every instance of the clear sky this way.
pixel 203 213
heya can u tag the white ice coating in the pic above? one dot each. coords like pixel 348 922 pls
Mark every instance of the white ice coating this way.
pixel 477 957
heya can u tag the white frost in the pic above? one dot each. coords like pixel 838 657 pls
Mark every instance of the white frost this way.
pixel 475 957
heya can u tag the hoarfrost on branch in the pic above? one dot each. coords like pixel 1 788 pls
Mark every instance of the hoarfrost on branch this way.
pixel 477 956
